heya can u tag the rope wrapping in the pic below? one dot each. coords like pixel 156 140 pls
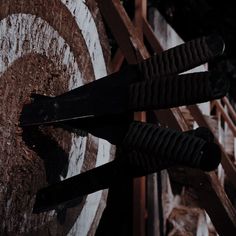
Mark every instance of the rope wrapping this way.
pixel 178 59
pixel 176 90
pixel 152 148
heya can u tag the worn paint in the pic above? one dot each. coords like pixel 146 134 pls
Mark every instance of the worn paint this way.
pixel 88 28
pixel 21 34
pixel 89 31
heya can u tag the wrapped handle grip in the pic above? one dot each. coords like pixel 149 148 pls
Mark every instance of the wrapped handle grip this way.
pixel 152 148
pixel 182 57
pixel 177 90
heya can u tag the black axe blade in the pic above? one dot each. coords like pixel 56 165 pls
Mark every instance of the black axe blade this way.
pixel 146 149
pixel 110 95
pixel 63 193
pixel 116 96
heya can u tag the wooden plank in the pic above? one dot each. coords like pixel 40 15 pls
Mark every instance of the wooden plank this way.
pixel 227 164
pixel 230 107
pixel 117 60
pixel 228 135
pixel 139 196
pixel 139 206
pixel 132 48
pixel 151 38
pixel 229 142
pixel 172 118
pixel 140 188
pixel 212 197
pixel 226 117
pixel 153 224
pixel 151 197
pixel 123 30
pixel 140 14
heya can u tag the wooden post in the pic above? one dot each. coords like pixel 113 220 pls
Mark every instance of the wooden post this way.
pixel 123 30
pixel 227 164
pixel 140 14
pixel 152 206
pixel 211 193
pixel 140 188
pixel 212 197
pixel 132 47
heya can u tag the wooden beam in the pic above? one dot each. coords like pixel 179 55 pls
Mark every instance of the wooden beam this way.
pixel 140 14
pixel 131 46
pixel 227 164
pixel 139 196
pixel 140 189
pixel 151 37
pixel 212 197
pixel 171 118
pixel 153 224
pixel 117 60
pixel 229 107
pixel 139 206
pixel 226 117
pixel 123 30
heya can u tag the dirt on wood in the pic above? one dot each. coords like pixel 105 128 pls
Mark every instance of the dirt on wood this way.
pixel 28 159
pixel 22 170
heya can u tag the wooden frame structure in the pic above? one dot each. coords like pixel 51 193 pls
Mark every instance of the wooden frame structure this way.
pixel 129 37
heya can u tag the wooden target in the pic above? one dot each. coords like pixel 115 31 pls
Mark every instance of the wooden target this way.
pixel 47 47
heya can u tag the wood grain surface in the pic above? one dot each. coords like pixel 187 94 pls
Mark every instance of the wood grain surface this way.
pixel 47 47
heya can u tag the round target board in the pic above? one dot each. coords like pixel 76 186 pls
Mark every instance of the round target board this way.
pixel 47 47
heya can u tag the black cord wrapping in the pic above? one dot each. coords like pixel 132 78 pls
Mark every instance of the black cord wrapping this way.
pixel 152 148
pixel 104 108
pixel 176 90
pixel 177 59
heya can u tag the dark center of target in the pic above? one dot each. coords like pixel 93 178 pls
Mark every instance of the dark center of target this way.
pixel 29 159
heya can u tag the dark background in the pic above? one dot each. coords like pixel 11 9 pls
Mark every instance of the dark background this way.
pixel 195 18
